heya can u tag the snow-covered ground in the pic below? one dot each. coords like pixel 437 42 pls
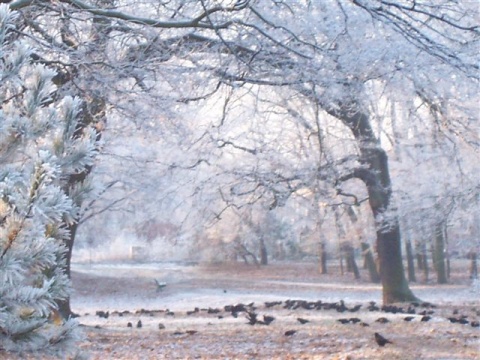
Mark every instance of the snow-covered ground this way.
pixel 122 286
pixel 218 335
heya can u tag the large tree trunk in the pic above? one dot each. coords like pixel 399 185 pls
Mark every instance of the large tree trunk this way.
pixel 376 176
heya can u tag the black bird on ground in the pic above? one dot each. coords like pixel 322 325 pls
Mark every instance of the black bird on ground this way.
pixel 213 311
pixel 103 314
pixel 129 325
pixel 251 317
pixel 190 312
pixel 269 304
pixel 425 318
pixel 355 308
pixel 290 332
pixel 381 341
pixel 373 306
pixel 382 320
pixel 343 321
pixel 267 320
pixel 408 318
pixel 354 320
pixel 139 324
pixel 302 321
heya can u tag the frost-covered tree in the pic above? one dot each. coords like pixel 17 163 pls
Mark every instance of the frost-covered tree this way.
pixel 337 55
pixel 42 145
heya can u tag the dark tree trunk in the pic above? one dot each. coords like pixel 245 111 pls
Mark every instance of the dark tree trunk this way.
pixel 376 176
pixel 263 252
pixel 425 262
pixel 342 270
pixel 432 252
pixel 91 113
pixel 351 260
pixel 418 250
pixel 472 256
pixel 348 253
pixel 323 258
pixel 410 262
pixel 370 263
pixel 439 254
pixel 64 305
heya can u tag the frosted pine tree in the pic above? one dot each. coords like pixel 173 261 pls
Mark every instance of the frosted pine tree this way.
pixel 39 149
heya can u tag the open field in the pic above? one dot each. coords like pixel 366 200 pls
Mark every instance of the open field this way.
pixel 129 294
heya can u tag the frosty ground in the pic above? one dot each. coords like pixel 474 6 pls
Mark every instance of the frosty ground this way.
pixel 218 335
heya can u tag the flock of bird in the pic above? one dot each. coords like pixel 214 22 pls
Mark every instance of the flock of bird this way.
pixel 415 310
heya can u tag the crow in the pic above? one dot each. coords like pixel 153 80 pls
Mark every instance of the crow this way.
pixel 382 320
pixel 290 332
pixel 251 317
pixel 381 341
pixel 213 311
pixel 129 325
pixel 343 321
pixel 139 324
pixel 302 321
pixel 373 306
pixel 190 312
pixel 425 318
pixel 269 304
pixel 103 314
pixel 408 318
pixel 267 319
pixel 355 308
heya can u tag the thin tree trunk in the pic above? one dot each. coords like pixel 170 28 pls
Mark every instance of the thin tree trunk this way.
pixel 350 255
pixel 439 255
pixel 323 258
pixel 342 271
pixel 410 261
pixel 418 250
pixel 472 256
pixel 433 252
pixel 370 262
pixel 425 262
pixel 263 252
